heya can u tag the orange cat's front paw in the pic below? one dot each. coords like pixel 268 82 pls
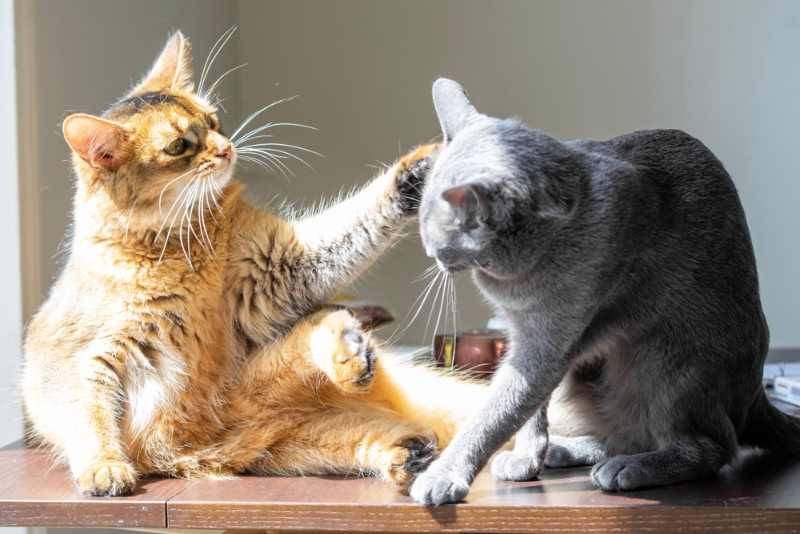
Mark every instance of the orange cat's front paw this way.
pixel 107 479
pixel 344 352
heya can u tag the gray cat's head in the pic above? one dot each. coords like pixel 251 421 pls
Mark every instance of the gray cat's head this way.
pixel 496 186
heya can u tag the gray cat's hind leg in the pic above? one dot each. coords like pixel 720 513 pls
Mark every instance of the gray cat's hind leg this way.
pixel 685 460
pixel 526 461
pixel 571 452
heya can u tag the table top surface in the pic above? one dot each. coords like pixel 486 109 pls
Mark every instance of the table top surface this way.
pixel 755 494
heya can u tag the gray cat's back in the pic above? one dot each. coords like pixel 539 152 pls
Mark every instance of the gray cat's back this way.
pixel 686 316
pixel 689 245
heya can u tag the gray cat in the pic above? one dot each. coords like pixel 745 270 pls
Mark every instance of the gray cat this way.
pixel 627 274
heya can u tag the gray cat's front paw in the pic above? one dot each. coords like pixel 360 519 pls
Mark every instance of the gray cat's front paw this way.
pixel 512 465
pixel 619 473
pixel 436 486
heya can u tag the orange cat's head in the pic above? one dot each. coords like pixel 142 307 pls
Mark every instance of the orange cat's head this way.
pixel 156 148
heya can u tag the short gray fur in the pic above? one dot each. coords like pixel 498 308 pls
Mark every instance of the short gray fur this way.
pixel 627 274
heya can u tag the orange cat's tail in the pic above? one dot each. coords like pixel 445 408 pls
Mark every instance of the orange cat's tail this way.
pixel 439 398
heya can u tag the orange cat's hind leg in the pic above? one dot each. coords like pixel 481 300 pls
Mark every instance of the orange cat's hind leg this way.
pixel 356 441
pixel 343 351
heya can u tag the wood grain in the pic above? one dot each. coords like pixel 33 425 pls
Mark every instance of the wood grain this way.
pixel 756 494
pixel 34 491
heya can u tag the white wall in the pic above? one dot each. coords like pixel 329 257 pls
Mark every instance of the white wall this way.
pixel 10 295
pixel 11 426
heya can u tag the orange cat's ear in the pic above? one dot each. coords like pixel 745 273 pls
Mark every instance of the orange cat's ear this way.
pixel 172 69
pixel 99 142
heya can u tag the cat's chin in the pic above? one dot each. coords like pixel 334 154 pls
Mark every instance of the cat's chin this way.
pixel 449 269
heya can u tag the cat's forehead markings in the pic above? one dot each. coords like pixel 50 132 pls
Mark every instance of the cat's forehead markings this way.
pixel 156 101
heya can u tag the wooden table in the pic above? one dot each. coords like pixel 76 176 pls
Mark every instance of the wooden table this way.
pixel 756 494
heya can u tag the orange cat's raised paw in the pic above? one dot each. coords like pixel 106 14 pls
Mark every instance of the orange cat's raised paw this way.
pixel 344 352
pixel 411 174
pixel 107 479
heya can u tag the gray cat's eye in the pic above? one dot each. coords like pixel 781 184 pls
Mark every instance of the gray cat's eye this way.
pixel 176 148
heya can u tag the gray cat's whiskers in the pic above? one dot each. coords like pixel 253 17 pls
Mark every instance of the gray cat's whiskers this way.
pixel 448 304
pixel 439 291
pixel 418 303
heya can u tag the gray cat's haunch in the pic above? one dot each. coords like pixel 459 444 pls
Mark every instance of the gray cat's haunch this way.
pixel 627 274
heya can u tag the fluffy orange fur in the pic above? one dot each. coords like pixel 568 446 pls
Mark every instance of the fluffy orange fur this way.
pixel 187 334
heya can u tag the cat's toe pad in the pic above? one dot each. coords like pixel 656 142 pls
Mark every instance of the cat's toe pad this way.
pixel 346 353
pixel 438 486
pixel 412 172
pixel 510 465
pixel 107 479
pixel 618 474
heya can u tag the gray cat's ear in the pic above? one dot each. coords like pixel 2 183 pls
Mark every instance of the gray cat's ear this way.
pixel 172 69
pixel 469 202
pixel 100 143
pixel 452 106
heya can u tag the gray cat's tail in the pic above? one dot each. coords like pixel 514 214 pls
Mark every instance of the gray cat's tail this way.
pixel 769 428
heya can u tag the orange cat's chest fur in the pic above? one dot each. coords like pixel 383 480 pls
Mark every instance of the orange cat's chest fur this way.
pixel 172 333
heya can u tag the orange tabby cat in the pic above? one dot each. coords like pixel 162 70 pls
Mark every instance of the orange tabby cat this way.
pixel 187 334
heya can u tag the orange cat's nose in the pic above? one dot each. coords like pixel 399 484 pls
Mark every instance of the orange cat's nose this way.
pixel 225 151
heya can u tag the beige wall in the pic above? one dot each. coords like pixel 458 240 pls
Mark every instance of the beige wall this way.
pixel 724 70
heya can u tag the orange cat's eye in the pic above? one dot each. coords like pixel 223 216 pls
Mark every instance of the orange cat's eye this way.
pixel 176 148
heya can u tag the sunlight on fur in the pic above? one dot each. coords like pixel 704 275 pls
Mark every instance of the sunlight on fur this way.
pixel 188 334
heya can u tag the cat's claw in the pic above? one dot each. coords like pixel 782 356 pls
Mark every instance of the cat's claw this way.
pixel 414 168
pixel 435 487
pixel 414 454
pixel 511 465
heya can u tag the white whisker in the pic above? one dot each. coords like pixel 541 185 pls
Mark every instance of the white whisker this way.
pixel 252 134
pixel 212 56
pixel 442 306
pixel 219 80
pixel 282 154
pixel 256 114
pixel 176 207
pixel 175 204
pixel 266 165
pixel 130 216
pixel 418 304
pixel 164 190
pixel 271 158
